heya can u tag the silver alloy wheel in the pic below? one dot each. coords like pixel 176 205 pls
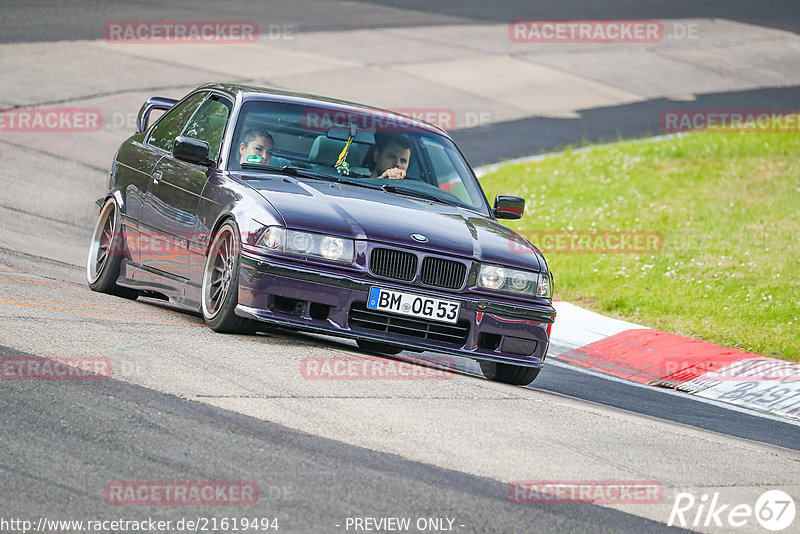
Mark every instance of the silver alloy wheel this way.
pixel 219 271
pixel 100 249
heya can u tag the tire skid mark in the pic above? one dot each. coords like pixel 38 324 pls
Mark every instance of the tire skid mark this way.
pixel 145 319
pixel 67 303
pixel 40 282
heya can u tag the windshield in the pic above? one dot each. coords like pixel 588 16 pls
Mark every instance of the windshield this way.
pixel 369 147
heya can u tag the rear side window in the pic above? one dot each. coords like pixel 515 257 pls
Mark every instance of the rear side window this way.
pixel 208 124
pixel 171 124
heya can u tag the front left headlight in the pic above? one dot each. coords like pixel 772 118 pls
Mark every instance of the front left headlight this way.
pixel 498 278
pixel 308 244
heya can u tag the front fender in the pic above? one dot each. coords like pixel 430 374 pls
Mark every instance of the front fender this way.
pixel 117 195
pixel 224 197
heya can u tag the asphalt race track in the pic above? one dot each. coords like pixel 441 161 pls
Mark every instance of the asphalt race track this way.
pixel 186 404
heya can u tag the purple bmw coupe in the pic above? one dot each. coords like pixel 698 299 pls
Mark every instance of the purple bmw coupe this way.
pixel 258 206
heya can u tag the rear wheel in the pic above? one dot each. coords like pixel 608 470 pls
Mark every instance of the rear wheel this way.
pixel 106 252
pixel 221 282
pixel 516 375
pixel 374 346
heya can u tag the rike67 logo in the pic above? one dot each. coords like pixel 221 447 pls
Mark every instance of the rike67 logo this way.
pixel 774 510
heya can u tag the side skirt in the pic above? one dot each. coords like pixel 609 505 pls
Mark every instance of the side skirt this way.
pixel 179 291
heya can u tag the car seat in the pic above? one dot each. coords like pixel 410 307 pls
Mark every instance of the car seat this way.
pixel 325 152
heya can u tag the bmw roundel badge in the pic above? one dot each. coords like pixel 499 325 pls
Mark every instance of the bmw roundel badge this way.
pixel 419 237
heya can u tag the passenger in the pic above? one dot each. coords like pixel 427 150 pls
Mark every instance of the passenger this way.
pixel 390 156
pixel 256 142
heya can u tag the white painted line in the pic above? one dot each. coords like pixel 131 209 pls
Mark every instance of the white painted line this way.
pixel 718 404
pixel 577 327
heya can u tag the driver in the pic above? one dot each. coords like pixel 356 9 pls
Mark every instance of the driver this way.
pixel 391 156
pixel 256 142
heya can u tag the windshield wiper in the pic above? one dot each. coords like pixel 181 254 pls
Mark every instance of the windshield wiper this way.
pixel 359 184
pixel 288 169
pixel 259 167
pixel 309 173
pixel 412 193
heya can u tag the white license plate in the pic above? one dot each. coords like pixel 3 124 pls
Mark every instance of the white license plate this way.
pixel 445 311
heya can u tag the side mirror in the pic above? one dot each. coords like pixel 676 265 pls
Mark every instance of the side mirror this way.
pixel 156 102
pixel 191 150
pixel 508 207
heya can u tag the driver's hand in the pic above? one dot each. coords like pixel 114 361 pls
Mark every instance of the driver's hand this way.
pixel 393 174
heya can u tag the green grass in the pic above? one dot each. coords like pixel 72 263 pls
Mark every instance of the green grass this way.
pixel 728 208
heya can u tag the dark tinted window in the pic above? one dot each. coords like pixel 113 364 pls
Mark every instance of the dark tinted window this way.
pixel 208 124
pixel 171 124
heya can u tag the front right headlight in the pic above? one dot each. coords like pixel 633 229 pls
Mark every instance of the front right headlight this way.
pixel 335 248
pixel 497 278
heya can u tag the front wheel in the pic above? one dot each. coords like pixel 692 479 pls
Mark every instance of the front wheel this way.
pixel 106 252
pixel 221 282
pixel 515 375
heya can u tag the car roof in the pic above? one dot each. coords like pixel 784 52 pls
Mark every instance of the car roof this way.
pixel 252 92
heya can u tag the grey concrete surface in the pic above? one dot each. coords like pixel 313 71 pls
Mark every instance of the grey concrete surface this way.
pixel 491 86
pixel 450 423
pixel 63 442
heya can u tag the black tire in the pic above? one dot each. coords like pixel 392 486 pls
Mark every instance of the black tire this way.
pixel 515 375
pixel 106 252
pixel 220 290
pixel 374 346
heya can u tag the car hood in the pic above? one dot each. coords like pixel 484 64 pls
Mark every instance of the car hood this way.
pixel 379 216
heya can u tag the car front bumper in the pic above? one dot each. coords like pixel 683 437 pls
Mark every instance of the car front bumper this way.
pixel 310 300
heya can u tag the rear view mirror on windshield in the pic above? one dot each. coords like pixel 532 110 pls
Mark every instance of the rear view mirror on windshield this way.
pixel 342 133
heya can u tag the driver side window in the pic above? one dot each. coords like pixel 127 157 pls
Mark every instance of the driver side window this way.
pixel 208 124
pixel 169 126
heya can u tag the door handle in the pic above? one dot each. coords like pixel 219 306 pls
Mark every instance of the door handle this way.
pixel 157 177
